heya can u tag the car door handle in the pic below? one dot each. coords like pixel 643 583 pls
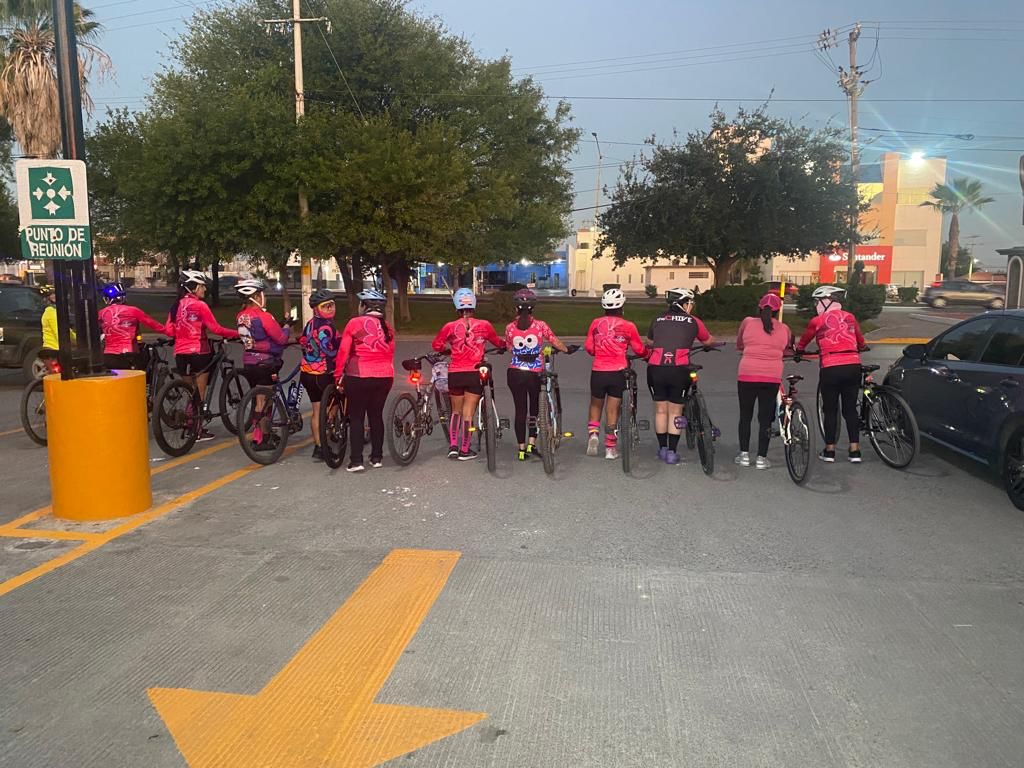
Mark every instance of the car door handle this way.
pixel 1010 384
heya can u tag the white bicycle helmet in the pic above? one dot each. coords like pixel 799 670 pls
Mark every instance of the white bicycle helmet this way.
pixel 613 298
pixel 249 287
pixel 191 278
pixel 829 292
pixel 678 296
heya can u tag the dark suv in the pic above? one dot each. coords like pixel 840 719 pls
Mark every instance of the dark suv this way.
pixel 966 388
pixel 948 292
pixel 21 311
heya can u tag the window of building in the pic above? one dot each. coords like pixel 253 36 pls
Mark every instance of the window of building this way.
pixel 631 278
pixel 671 275
pixel 964 343
pixel 1007 344
pixel 913 196
pixel 584 246
pixel 916 237
pixel 699 275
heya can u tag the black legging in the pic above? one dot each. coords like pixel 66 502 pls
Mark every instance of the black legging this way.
pixel 366 399
pixel 525 386
pixel 764 395
pixel 840 381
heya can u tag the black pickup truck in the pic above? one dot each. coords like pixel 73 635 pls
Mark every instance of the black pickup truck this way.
pixel 21 311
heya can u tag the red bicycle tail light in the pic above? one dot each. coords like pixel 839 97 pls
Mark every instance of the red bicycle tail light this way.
pixel 414 377
pixel 693 375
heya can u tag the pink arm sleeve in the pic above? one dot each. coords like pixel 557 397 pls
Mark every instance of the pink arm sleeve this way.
pixel 702 331
pixel 495 339
pixel 441 340
pixel 150 323
pixel 274 330
pixel 344 352
pixel 589 343
pixel 812 329
pixel 739 334
pixel 639 348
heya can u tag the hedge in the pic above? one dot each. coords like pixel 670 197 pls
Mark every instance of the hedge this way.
pixel 908 295
pixel 730 302
pixel 864 301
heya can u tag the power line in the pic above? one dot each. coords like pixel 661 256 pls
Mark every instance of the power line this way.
pixel 330 50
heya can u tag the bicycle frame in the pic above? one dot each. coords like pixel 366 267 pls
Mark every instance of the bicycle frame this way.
pixel 487 379
pixel 550 390
pixel 426 395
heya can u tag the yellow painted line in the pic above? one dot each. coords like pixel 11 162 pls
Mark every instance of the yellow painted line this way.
pixel 131 524
pixel 319 709
pixel 907 340
pixel 41 512
pixel 37 533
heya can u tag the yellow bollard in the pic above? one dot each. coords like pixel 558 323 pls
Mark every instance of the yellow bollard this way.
pixel 98 438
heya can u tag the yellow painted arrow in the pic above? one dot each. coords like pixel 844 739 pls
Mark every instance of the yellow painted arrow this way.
pixel 319 709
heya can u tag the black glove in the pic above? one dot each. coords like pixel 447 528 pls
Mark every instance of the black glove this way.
pixel 572 349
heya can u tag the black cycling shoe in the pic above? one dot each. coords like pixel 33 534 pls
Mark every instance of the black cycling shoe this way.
pixel 318 453
pixel 467 455
pixel 829 457
pixel 855 457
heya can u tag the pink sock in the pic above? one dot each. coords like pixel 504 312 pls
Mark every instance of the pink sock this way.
pixel 454 429
pixel 593 427
pixel 611 440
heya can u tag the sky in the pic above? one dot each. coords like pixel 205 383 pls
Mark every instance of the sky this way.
pixel 940 72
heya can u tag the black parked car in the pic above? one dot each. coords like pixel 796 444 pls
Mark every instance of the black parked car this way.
pixel 961 291
pixel 966 388
pixel 21 335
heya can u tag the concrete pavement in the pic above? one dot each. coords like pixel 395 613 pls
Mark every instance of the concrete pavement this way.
pixel 667 619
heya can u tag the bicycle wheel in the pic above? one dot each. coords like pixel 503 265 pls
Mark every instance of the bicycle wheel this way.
pixel 892 427
pixel 160 376
pixel 178 418
pixel 705 434
pixel 691 427
pixel 232 392
pixel 403 430
pixel 546 434
pixel 799 444
pixel 263 430
pixel 490 428
pixel 444 412
pixel 626 425
pixel 821 419
pixel 33 412
pixel 333 426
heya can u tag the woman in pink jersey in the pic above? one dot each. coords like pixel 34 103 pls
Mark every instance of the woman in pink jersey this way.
pixel 839 343
pixel 763 340
pixel 608 340
pixel 119 324
pixel 525 337
pixel 366 368
pixel 467 338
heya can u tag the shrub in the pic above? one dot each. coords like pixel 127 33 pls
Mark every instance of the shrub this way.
pixel 908 295
pixel 651 291
pixel 864 301
pixel 730 302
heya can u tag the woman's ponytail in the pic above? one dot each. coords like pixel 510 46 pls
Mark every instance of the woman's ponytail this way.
pixel 766 319
pixel 525 319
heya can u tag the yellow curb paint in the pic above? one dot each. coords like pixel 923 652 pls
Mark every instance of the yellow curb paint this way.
pixel 38 533
pixel 319 709
pixel 130 525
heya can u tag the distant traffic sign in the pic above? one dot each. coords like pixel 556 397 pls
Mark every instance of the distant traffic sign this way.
pixel 53 210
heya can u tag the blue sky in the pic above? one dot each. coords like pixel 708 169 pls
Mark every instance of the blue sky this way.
pixel 674 59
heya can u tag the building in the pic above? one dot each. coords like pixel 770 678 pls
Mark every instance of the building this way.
pixel 907 239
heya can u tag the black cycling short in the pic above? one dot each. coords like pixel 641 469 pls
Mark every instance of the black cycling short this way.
pixel 464 382
pixel 190 365
pixel 668 382
pixel 126 362
pixel 45 353
pixel 315 384
pixel 607 384
pixel 262 375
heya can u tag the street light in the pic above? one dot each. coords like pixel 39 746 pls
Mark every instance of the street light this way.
pixel 597 206
pixel 970 267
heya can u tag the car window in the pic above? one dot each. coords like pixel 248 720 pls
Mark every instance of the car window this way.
pixel 13 301
pixel 963 343
pixel 1006 347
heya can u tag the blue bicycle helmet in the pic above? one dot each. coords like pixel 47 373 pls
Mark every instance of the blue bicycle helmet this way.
pixel 464 298
pixel 371 295
pixel 113 292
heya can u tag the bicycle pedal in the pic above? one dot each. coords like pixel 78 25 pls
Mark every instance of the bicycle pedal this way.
pixel 505 423
pixel 643 424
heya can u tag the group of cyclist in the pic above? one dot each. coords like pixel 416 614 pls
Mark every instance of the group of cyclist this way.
pixel 360 359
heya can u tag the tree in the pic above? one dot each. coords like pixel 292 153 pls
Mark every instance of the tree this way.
pixel 959 196
pixel 750 188
pixel 28 71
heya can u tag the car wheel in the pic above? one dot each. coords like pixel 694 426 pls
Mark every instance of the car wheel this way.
pixel 938 302
pixel 32 367
pixel 1013 469
pixel 996 304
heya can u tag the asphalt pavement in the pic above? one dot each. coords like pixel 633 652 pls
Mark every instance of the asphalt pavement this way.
pixel 256 617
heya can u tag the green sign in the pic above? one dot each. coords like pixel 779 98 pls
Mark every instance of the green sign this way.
pixel 53 208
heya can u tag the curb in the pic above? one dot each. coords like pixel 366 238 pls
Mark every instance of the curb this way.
pixel 900 340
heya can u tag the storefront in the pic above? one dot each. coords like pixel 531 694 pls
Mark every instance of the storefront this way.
pixel 877 260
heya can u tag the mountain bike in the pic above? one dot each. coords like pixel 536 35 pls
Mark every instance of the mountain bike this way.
pixel 700 430
pixel 334 425
pixel 412 416
pixel 885 417
pixel 793 426
pixel 490 425
pixel 548 422
pixel 268 416
pixel 629 426
pixel 180 413
pixel 33 403
pixel 158 370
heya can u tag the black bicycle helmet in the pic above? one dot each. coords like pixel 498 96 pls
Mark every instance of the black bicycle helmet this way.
pixel 320 296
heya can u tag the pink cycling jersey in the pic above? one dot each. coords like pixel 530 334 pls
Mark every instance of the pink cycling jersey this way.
pixel 608 339
pixel 365 350
pixel 762 352
pixel 119 324
pixel 839 338
pixel 467 337
pixel 262 336
pixel 189 328
pixel 526 345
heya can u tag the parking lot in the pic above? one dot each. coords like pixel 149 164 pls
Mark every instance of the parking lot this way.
pixel 438 615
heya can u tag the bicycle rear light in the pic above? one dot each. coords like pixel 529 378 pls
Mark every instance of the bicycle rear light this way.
pixel 693 375
pixel 414 377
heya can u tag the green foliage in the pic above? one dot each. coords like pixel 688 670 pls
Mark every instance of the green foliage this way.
pixel 651 291
pixel 908 295
pixel 963 259
pixel 503 306
pixel 728 302
pixel 863 301
pixel 750 188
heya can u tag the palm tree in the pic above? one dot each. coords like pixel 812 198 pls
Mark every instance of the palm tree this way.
pixel 958 196
pixel 28 71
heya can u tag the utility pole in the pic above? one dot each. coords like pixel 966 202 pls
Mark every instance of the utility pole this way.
pixel 306 269
pixel 850 82
pixel 597 206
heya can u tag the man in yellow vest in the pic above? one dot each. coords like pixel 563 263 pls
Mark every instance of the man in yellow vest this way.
pixel 51 339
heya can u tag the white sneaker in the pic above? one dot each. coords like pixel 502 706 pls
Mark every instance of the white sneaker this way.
pixel 743 459
pixel 593 443
pixel 762 463
pixel 611 453
pixel 376 463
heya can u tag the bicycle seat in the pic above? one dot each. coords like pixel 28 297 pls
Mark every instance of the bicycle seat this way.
pixel 793 378
pixel 693 367
pixel 411 365
pixel 870 368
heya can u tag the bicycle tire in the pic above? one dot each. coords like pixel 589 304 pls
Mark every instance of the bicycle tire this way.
pixel 33 403
pixel 333 426
pixel 444 412
pixel 546 434
pixel 821 419
pixel 691 427
pixel 160 375
pixel 799 449
pixel 232 392
pixel 402 423
pixel 490 427
pixel 705 436
pixel 895 417
pixel 171 416
pixel 276 411
pixel 625 441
